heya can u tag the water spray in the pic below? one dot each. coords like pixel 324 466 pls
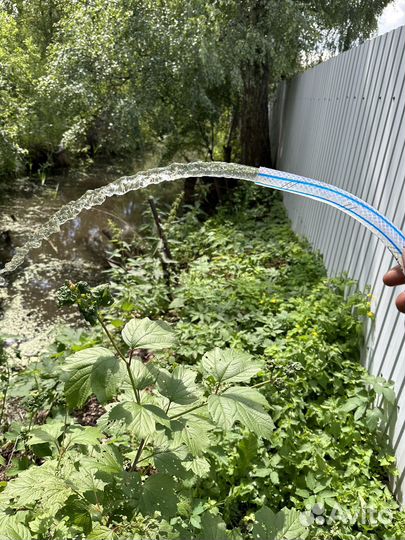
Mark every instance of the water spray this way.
pixel 358 209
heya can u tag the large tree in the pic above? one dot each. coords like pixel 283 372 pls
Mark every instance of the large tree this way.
pixel 191 76
pixel 267 40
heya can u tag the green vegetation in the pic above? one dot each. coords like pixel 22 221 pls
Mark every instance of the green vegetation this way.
pixel 184 78
pixel 230 404
pixel 214 390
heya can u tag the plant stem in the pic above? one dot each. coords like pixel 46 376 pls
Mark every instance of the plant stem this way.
pixel 263 383
pixel 126 362
pixel 134 388
pixel 138 454
pixel 187 411
pixel 110 337
pixel 168 406
pixel 3 404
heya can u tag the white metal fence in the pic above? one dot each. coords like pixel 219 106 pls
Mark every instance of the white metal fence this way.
pixel 343 122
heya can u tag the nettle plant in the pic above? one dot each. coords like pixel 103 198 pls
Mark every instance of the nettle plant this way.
pixel 134 472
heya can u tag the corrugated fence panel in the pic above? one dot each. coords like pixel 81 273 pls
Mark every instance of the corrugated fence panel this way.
pixel 343 122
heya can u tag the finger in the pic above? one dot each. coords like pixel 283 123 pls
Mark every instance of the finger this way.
pixel 400 302
pixel 395 276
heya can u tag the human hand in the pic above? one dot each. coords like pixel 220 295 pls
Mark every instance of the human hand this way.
pixel 394 277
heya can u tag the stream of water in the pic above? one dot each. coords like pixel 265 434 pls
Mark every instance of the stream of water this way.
pixel 71 243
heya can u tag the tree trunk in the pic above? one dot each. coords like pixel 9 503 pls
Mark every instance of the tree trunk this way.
pixel 254 129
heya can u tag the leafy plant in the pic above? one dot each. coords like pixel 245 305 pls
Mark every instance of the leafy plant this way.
pixel 239 410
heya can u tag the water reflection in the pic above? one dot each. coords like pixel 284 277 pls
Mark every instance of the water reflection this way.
pixel 77 251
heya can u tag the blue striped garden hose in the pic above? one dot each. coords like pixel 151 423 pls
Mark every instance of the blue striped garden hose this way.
pixel 363 212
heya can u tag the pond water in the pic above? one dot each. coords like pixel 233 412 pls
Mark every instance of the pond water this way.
pixel 78 251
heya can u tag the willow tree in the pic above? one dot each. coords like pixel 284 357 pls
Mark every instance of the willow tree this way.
pixel 264 41
pixel 117 76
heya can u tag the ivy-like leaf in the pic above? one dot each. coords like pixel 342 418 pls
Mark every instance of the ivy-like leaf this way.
pixel 228 365
pixel 93 371
pixel 147 334
pixel 242 404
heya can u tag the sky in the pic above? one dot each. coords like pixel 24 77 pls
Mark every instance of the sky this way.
pixel 392 17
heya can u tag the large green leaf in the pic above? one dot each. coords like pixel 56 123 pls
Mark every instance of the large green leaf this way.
pixel 179 386
pixel 159 494
pixel 228 365
pixel 108 459
pixel 193 432
pixel 46 433
pixel 147 334
pixel 198 465
pixel 212 528
pixel 39 484
pixel 16 532
pixel 87 435
pixel 242 404
pixel 140 418
pixel 79 515
pixel 285 525
pixel 143 375
pixel 102 533
pixel 92 371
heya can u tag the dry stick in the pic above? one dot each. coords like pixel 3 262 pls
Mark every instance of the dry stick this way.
pixel 161 233
pixel 166 255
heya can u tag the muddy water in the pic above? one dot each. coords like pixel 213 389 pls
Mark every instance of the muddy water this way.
pixel 28 308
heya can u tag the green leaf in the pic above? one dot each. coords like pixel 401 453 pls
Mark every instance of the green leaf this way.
pixel 78 512
pixel 46 433
pixel 139 419
pixel 242 404
pixel 285 525
pixel 179 386
pixel 92 371
pixel 102 533
pixel 53 489
pixel 199 466
pixel 193 432
pixel 353 403
pixel 389 394
pixel 168 462
pixel 373 418
pixel 83 435
pixel 382 387
pixel 159 494
pixel 16 532
pixel 212 528
pixel 108 460
pixel 143 376
pixel 147 334
pixel 228 365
